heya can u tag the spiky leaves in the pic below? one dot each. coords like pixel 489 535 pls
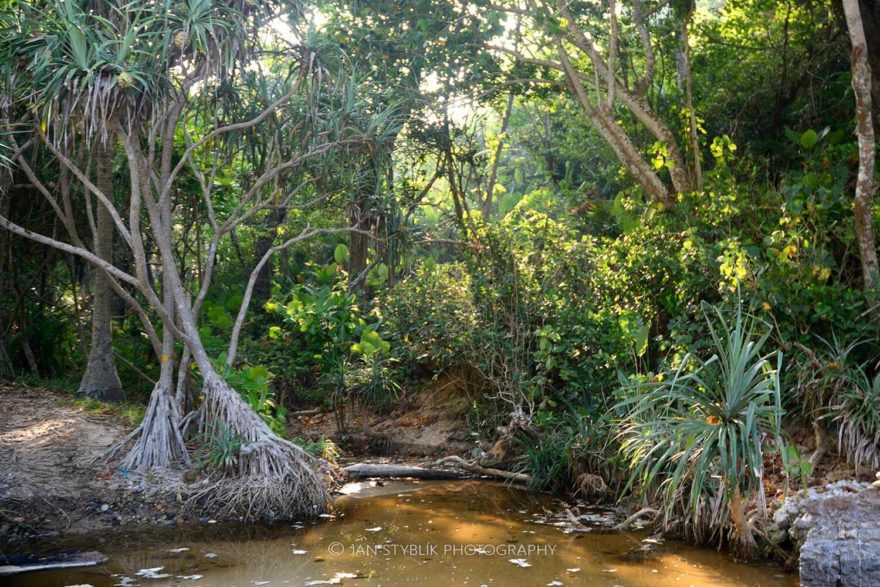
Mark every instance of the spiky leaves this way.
pixel 695 437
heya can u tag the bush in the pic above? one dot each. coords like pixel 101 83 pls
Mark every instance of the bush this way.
pixel 694 438
pixel 429 315
pixel 857 409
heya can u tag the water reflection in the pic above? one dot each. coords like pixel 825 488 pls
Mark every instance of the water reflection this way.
pixel 453 533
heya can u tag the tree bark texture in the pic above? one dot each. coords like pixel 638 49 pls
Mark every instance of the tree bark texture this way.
pixel 866 187
pixel 101 380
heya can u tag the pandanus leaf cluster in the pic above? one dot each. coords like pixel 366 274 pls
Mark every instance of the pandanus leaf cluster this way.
pixel 695 437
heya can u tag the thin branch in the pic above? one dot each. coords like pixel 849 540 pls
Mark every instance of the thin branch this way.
pixel 306 234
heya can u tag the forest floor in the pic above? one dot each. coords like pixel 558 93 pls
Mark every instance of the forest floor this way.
pixel 52 479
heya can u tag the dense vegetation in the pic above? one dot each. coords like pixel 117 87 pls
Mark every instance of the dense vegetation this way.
pixel 642 232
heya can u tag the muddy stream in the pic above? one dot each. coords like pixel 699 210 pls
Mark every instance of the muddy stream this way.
pixel 405 533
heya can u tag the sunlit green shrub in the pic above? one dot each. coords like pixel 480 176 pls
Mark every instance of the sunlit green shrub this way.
pixel 429 315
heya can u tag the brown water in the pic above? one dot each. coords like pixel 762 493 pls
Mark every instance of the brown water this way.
pixel 438 533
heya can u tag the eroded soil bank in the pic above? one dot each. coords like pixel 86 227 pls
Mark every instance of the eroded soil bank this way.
pixel 53 479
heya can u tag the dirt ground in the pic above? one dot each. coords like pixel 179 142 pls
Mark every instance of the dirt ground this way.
pixel 430 422
pixel 53 479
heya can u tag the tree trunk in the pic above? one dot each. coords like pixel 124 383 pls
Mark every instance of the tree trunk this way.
pixel 603 121
pixel 865 185
pixel 100 380
pixel 263 285
pixel 358 244
pixel 272 477
pixel 5 186
pixel 160 442
pixel 685 84
pixel 488 203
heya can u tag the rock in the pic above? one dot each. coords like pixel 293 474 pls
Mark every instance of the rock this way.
pixel 790 520
pixel 841 534
pixel 476 453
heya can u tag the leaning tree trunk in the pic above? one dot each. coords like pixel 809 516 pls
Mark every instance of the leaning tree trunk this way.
pixel 101 381
pixel 273 478
pixel 865 185
pixel 159 443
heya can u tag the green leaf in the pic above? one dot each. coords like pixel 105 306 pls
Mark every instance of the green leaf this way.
pixel 793 136
pixel 340 254
pixel 809 139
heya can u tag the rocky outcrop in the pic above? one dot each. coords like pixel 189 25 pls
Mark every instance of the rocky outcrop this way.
pixel 837 529
pixel 842 545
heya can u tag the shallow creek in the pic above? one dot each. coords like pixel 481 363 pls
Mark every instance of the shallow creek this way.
pixel 402 533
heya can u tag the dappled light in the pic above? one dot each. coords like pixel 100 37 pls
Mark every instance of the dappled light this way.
pixel 590 279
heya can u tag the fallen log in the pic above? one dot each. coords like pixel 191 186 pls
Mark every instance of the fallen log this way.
pixel 523 478
pixel 365 470
pixel 13 565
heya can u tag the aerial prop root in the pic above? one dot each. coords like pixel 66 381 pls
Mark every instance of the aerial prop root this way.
pixel 272 479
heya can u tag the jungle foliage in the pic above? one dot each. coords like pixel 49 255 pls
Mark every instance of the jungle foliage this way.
pixel 633 229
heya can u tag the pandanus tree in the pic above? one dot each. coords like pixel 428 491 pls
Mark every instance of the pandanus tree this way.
pixel 148 78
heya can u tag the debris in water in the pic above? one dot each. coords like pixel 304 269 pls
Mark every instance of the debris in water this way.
pixel 189 577
pixel 211 555
pixel 520 562
pixel 575 570
pixel 294 551
pixel 176 550
pixel 336 580
pixel 376 529
pixel 152 573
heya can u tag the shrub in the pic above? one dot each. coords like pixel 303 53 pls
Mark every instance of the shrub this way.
pixel 429 315
pixel 220 451
pixel 857 409
pixel 694 438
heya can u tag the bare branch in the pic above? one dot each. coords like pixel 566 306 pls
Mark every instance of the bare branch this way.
pixel 105 201
pixel 306 234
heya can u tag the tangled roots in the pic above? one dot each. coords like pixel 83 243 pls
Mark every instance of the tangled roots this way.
pixel 158 443
pixel 273 478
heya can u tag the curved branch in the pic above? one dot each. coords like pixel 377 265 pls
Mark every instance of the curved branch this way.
pixel 67 248
pixel 114 213
pixel 306 234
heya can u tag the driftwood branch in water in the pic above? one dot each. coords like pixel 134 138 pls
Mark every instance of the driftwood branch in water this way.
pixel 489 472
pixel 364 470
pixel 470 469
pixel 12 565
pixel 624 525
